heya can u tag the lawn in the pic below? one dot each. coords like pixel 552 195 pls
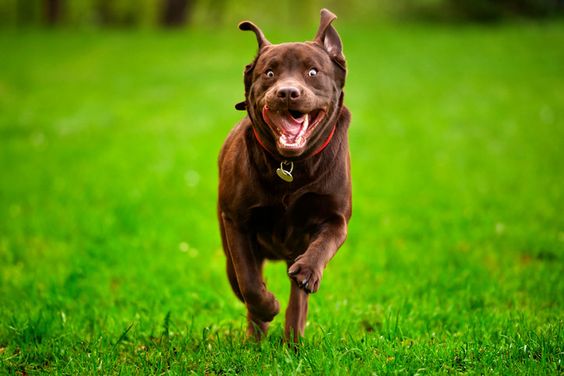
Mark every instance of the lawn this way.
pixel 110 258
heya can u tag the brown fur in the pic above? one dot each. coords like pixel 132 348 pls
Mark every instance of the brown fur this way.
pixel 263 217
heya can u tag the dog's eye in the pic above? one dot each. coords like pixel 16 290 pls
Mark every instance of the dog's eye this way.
pixel 312 72
pixel 269 73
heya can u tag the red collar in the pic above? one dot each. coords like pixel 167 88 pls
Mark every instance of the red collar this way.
pixel 327 141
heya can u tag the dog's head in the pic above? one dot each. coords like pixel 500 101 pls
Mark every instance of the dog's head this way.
pixel 294 91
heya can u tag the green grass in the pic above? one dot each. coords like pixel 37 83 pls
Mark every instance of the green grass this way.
pixel 110 258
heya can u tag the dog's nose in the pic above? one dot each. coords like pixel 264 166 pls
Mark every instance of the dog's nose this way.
pixel 288 92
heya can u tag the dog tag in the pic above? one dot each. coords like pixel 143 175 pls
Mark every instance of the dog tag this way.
pixel 283 174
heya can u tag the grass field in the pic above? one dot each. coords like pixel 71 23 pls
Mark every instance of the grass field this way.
pixel 110 259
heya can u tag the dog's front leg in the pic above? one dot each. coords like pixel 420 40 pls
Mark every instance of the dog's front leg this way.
pixel 307 269
pixel 296 313
pixel 261 304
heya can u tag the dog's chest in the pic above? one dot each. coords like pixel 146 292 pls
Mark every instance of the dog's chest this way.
pixel 284 231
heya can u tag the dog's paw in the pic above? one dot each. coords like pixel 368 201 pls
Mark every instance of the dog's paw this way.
pixel 265 309
pixel 306 275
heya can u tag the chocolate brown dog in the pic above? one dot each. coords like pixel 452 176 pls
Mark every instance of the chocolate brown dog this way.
pixel 285 185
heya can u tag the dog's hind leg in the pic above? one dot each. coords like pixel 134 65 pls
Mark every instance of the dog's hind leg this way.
pixel 296 313
pixel 233 278
pixel 244 270
pixel 257 328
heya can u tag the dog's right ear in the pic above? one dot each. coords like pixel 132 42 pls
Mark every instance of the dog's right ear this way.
pixel 261 40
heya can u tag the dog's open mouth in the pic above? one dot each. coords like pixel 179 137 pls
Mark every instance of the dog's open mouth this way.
pixel 292 127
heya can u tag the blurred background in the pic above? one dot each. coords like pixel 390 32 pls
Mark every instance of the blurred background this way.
pixel 213 13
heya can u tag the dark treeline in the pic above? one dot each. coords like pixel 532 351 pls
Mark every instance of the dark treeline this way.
pixel 179 13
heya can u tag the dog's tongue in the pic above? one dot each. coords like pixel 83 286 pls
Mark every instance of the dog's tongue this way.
pixel 292 128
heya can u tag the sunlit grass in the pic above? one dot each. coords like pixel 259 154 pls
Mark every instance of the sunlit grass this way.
pixel 110 258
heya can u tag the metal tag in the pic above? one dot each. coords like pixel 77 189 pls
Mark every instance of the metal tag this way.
pixel 283 174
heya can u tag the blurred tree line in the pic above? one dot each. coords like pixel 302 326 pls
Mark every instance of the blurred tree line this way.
pixel 178 13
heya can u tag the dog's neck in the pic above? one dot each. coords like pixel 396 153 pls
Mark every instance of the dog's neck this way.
pixel 284 172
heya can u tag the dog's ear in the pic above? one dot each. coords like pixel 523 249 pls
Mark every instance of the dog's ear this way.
pixel 328 38
pixel 247 80
pixel 262 42
pixel 261 39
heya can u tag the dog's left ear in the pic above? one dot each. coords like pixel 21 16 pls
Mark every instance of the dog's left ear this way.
pixel 328 38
